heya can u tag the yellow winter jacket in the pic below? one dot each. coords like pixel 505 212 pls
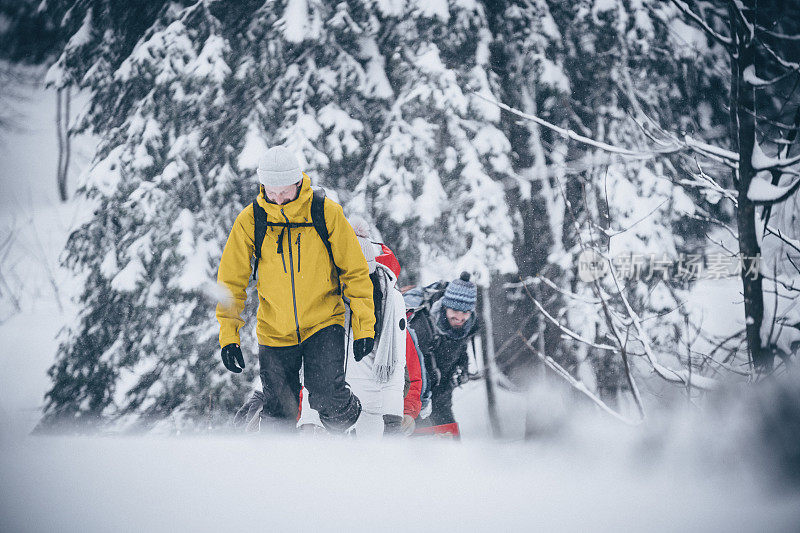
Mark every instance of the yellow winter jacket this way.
pixel 297 290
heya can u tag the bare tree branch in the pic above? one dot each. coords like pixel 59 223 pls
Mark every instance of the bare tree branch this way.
pixel 623 346
pixel 577 385
pixel 727 42
pixel 781 61
pixel 678 376
pixel 721 155
pixel 776 34
pixel 565 330
pixel 552 285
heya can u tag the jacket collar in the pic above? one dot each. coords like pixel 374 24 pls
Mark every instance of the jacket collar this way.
pixel 299 208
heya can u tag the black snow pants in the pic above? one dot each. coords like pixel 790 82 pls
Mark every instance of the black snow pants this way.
pixel 322 356
pixel 442 403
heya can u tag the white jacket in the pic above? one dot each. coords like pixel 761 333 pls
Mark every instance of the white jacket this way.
pixel 382 395
pixel 379 396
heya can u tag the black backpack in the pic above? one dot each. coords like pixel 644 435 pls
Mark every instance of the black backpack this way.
pixel 317 221
pixel 430 295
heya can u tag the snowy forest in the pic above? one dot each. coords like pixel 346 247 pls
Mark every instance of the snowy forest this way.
pixel 620 177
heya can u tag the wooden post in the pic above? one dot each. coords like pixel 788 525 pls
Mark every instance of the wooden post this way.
pixel 488 363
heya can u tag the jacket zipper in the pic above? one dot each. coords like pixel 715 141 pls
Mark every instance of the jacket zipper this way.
pixel 291 270
pixel 280 248
pixel 298 250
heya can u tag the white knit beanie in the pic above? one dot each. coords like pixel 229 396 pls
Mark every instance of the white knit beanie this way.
pixel 368 248
pixel 278 167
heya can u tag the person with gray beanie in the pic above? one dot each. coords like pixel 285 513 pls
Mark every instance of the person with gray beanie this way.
pixel 444 321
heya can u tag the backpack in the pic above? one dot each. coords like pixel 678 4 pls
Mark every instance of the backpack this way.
pixel 422 298
pixel 317 221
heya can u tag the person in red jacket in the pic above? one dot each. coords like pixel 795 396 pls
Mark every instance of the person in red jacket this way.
pixel 412 403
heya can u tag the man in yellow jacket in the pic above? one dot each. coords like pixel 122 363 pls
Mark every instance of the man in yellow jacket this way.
pixel 300 307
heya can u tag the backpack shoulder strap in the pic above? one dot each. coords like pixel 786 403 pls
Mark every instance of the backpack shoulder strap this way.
pixel 318 220
pixel 260 217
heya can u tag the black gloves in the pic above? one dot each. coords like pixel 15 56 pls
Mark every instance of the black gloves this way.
pixel 460 377
pixel 362 347
pixel 231 355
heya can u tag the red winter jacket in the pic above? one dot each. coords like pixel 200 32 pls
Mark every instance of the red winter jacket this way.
pixel 412 403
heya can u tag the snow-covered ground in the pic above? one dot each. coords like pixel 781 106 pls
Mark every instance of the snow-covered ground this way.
pixel 285 484
pixel 586 472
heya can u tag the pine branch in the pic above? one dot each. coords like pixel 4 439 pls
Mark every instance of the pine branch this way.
pixel 751 78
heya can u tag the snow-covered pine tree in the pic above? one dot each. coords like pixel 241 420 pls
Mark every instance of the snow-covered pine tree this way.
pixel 163 184
pixel 433 181
pixel 315 83
pixel 183 118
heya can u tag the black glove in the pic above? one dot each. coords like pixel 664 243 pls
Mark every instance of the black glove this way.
pixel 231 355
pixel 362 347
pixel 460 376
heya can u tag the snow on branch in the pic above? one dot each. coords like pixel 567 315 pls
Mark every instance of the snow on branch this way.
pixel 762 161
pixel 777 35
pixel 623 345
pixel 781 61
pixel 762 191
pixel 749 75
pixel 540 278
pixel 722 39
pixel 739 9
pixel 569 133
pixel 709 149
pixel 714 152
pixel 705 181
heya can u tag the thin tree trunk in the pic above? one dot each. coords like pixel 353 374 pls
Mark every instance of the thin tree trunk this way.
pixel 488 363
pixel 60 178
pixel 742 140
pixel 62 185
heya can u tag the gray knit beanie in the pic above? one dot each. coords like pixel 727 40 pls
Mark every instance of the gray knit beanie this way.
pixel 460 294
pixel 278 167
